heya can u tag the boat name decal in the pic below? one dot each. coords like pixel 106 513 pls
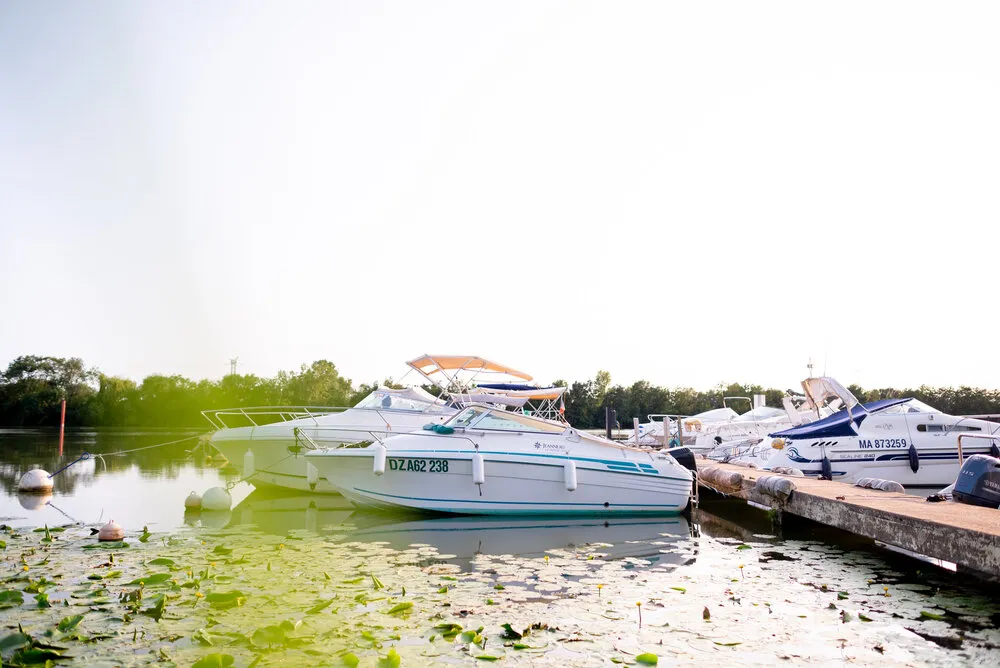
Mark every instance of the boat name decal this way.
pixel 882 443
pixel 550 447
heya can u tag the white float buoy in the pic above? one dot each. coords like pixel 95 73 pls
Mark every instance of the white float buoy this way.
pixel 478 469
pixel 193 501
pixel 569 473
pixel 312 475
pixel 111 532
pixel 248 464
pixel 216 498
pixel 378 459
pixel 35 481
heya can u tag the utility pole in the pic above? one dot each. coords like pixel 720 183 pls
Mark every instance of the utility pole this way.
pixel 232 365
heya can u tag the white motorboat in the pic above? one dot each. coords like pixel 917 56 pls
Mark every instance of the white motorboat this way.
pixel 904 440
pixel 270 454
pixel 487 461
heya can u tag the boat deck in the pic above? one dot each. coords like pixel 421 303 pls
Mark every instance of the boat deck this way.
pixel 968 536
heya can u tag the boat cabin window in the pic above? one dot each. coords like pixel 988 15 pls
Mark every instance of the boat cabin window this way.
pixel 946 427
pixel 504 421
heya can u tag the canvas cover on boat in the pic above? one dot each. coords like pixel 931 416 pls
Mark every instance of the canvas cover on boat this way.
pixel 526 391
pixel 484 398
pixel 414 393
pixel 820 389
pixel 838 424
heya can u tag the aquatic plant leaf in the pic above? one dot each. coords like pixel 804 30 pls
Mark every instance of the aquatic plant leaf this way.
pixel 727 644
pixel 69 623
pixel 400 608
pixel 924 614
pixel 202 637
pixel 647 659
pixel 391 660
pixel 36 655
pixel 116 545
pixel 509 633
pixel 680 589
pixel 14 641
pixel 223 550
pixel 320 607
pixel 226 599
pixel 11 597
pixel 156 610
pixel 162 561
pixel 488 657
pixel 744 546
pixel 214 661
pixel 150 580
pixel 350 660
pixel 377 583
pixel 42 599
pixel 268 635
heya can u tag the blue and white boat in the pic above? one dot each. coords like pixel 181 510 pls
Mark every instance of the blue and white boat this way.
pixel 487 461
pixel 904 440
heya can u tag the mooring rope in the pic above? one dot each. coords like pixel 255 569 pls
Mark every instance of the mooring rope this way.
pixel 149 447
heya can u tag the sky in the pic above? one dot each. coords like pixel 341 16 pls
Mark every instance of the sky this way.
pixel 686 193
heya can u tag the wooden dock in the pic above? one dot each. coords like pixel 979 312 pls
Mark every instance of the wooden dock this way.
pixel 968 536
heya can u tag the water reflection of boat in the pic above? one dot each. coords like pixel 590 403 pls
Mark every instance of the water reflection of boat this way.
pixel 460 539
pixel 279 514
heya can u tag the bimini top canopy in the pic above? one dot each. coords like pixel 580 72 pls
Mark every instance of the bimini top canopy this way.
pixel 824 390
pixel 445 370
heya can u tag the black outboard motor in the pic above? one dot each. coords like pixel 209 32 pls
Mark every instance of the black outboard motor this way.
pixel 979 482
pixel 684 457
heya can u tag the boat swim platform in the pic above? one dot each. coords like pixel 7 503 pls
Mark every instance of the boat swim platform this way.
pixel 965 535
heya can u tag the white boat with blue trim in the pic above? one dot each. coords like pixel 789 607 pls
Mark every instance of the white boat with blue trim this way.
pixel 903 439
pixel 486 461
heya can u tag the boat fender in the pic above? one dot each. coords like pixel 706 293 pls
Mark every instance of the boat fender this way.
pixel 826 471
pixel 914 458
pixel 193 501
pixel 111 532
pixel 674 442
pixel 685 458
pixel 216 498
pixel 714 477
pixel 994 450
pixel 378 459
pixel 776 486
pixel 248 464
pixel 569 474
pixel 312 475
pixel 478 469
pixel 35 481
pixel 880 484
pixel 788 470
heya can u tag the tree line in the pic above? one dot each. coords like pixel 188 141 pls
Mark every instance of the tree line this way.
pixel 32 388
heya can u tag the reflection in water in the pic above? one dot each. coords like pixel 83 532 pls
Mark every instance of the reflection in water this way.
pixel 146 487
pixel 459 540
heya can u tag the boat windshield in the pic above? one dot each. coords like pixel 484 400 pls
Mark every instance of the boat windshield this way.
pixel 911 406
pixel 399 400
pixel 482 418
pixel 466 417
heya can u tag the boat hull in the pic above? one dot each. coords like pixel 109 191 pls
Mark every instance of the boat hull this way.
pixel 514 484
pixel 279 457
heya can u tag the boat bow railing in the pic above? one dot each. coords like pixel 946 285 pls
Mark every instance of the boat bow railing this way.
pixel 258 416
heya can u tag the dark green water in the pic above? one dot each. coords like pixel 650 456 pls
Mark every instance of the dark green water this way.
pixel 798 593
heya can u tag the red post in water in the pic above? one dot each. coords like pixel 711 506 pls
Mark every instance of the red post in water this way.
pixel 62 426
